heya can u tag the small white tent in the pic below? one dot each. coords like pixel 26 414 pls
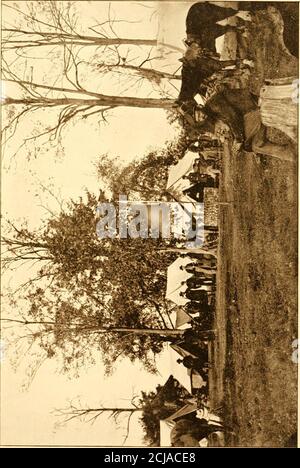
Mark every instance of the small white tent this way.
pixel 165 428
pixel 167 424
pixel 182 168
pixel 190 379
pixel 176 184
pixel 182 318
pixel 178 371
pixel 175 276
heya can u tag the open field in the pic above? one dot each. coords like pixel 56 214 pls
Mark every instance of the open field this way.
pixel 256 305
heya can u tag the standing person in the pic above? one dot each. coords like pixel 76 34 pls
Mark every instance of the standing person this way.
pixel 207 261
pixel 194 308
pixel 199 183
pixel 196 176
pixel 205 166
pixel 192 268
pixel 195 192
pixel 210 154
pixel 203 260
pixel 197 282
pixel 197 364
pixel 205 143
pixel 198 295
pixel 194 363
pixel 193 177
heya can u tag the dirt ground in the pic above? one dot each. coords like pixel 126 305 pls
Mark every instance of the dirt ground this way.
pixel 253 376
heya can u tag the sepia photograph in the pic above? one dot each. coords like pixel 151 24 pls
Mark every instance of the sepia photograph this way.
pixel 149 226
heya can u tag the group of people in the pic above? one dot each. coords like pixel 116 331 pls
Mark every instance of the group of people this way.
pixel 196 359
pixel 204 173
pixel 200 286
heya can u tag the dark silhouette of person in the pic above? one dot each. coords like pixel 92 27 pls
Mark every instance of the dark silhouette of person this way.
pixel 200 365
pixel 202 23
pixel 194 307
pixel 194 269
pixel 194 363
pixel 199 183
pixel 202 259
pixel 198 295
pixel 196 192
pixel 197 282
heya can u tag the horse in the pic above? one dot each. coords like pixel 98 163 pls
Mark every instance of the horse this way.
pixel 201 24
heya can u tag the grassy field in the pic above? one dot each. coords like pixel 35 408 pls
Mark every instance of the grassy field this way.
pixel 253 376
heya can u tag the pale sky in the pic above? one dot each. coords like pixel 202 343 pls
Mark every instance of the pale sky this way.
pixel 26 416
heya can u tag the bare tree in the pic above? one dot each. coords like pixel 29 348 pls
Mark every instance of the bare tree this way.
pixel 61 29
pixel 71 100
pixel 151 406
pixel 91 415
pixel 54 24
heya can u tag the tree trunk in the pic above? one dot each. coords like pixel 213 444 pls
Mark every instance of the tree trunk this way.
pixel 99 99
pixel 102 101
pixel 99 329
pixel 71 39
pixel 141 331
pixel 112 410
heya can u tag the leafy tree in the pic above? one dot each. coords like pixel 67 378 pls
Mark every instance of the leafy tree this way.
pixel 85 290
pixel 144 178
